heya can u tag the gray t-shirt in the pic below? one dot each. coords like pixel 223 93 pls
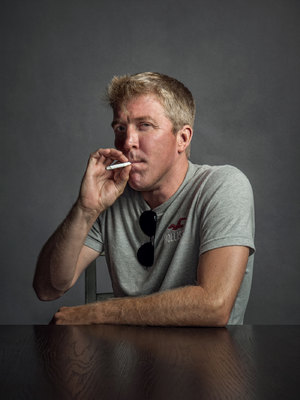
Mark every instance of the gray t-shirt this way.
pixel 212 208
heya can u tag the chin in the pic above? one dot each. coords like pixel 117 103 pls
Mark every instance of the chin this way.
pixel 135 186
pixel 138 185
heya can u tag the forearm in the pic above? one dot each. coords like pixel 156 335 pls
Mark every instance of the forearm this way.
pixel 61 260
pixel 56 264
pixel 187 306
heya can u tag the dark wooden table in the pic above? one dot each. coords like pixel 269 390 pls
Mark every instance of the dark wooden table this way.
pixel 111 362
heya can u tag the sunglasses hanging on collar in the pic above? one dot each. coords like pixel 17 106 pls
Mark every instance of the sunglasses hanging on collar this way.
pixel 145 253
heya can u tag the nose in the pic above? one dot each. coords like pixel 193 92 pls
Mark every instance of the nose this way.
pixel 128 141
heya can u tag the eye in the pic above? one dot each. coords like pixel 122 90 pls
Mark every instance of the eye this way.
pixel 119 129
pixel 145 126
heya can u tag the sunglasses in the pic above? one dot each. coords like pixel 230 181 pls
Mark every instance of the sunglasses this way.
pixel 145 253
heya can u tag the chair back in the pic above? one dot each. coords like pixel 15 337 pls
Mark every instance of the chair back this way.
pixel 91 294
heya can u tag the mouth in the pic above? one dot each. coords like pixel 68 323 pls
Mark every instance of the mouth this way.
pixel 135 161
pixel 136 164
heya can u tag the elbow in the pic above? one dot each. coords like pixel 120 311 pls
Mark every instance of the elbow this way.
pixel 220 313
pixel 46 295
pixel 222 320
pixel 214 308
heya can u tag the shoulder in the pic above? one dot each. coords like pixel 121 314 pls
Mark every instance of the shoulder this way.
pixel 220 184
pixel 219 175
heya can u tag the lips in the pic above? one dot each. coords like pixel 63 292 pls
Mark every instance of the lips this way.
pixel 135 161
pixel 136 165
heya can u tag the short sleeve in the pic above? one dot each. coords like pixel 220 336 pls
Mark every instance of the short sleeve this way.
pixel 227 212
pixel 94 238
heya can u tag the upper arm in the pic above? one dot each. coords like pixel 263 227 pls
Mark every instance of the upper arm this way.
pixel 86 256
pixel 220 274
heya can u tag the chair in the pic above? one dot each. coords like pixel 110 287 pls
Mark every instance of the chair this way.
pixel 91 294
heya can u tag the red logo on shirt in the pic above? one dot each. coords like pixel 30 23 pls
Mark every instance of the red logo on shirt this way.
pixel 178 225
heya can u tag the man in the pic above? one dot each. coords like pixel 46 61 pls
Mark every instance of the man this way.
pixel 177 237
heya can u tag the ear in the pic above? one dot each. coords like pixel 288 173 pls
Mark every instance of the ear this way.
pixel 184 137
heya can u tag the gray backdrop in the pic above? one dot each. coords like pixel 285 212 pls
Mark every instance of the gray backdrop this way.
pixel 241 61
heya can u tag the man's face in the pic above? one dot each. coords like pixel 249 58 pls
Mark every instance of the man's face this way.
pixel 144 134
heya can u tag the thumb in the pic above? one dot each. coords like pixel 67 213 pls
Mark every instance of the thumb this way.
pixel 122 176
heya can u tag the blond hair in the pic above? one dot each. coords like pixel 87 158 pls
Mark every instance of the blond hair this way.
pixel 176 99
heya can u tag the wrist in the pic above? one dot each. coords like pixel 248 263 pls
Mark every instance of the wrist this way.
pixel 108 312
pixel 87 214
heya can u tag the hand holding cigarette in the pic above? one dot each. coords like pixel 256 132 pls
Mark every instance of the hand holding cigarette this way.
pixel 100 189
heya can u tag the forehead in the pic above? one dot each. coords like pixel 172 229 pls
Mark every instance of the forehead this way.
pixel 148 104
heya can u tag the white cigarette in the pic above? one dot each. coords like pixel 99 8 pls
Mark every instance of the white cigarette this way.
pixel 114 166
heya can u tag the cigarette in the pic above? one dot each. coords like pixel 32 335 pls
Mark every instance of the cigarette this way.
pixel 114 166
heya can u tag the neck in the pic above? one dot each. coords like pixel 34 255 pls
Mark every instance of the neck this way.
pixel 163 192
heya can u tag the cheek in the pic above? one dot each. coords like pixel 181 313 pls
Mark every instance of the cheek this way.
pixel 152 145
pixel 118 143
pixel 161 146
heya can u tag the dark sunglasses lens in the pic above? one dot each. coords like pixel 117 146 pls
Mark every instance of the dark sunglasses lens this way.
pixel 145 254
pixel 148 222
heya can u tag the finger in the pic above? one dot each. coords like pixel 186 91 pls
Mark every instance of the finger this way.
pixel 121 176
pixel 124 172
pixel 54 320
pixel 98 156
pixel 97 160
pixel 112 154
pixel 59 313
pixel 58 319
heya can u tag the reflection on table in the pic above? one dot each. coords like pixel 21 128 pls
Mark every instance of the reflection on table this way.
pixel 122 362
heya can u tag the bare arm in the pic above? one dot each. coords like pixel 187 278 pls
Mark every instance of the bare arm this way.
pixel 220 273
pixel 64 256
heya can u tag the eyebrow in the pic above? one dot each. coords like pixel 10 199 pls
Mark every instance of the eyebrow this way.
pixel 138 119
